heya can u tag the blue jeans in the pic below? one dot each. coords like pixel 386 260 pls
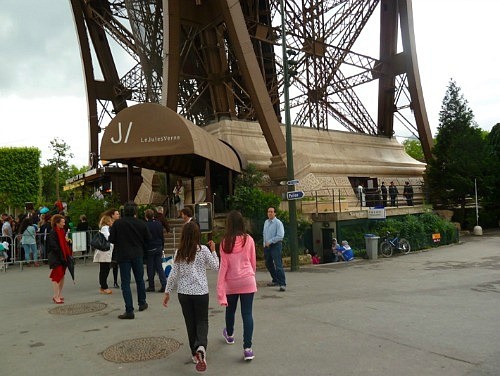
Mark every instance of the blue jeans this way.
pixel 137 268
pixel 246 314
pixel 30 248
pixel 274 264
pixel 154 265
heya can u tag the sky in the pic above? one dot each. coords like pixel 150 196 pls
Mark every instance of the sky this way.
pixel 42 93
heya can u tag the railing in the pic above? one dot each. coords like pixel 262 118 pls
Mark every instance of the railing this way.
pixel 334 201
pixel 80 244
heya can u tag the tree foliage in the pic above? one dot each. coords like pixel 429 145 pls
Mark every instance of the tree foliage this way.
pixel 252 201
pixel 492 194
pixel 460 152
pixel 92 208
pixel 61 153
pixel 49 181
pixel 20 172
pixel 414 149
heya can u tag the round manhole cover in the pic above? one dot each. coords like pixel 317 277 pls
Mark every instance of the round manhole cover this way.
pixel 140 349
pixel 78 308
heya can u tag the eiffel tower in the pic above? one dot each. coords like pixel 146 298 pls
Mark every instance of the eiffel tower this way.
pixel 210 60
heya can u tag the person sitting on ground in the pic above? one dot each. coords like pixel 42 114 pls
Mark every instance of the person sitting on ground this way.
pixel 336 250
pixel 314 258
pixel 346 253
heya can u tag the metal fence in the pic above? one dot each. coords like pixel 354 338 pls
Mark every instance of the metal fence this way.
pixel 80 245
pixel 336 200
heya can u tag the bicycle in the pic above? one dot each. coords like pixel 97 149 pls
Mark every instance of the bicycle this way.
pixel 389 244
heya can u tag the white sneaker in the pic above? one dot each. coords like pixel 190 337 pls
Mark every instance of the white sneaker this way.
pixel 201 356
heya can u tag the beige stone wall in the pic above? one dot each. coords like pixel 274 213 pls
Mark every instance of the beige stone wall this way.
pixel 327 158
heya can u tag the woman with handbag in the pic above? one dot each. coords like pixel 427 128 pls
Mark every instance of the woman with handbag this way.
pixel 58 254
pixel 103 256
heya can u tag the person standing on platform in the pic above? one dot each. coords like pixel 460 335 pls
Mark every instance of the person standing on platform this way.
pixel 179 197
pixel 408 193
pixel 393 193
pixel 383 191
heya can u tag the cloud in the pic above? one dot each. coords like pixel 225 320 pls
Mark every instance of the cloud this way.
pixel 40 52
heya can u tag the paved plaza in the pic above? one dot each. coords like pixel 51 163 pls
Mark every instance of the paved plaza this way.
pixel 426 313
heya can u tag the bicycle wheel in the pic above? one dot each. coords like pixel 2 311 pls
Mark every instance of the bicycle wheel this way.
pixel 386 249
pixel 404 246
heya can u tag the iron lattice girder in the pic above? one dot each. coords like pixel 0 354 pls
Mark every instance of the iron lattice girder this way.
pixel 210 81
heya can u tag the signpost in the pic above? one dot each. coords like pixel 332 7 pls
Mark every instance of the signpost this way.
pixel 294 195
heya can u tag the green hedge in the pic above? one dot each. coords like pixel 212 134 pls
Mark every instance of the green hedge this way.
pixel 417 229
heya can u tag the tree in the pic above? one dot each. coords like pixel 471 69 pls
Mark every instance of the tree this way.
pixel 20 172
pixel 414 149
pixel 61 151
pixel 491 197
pixel 460 153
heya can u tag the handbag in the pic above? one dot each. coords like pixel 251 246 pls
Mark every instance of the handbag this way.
pixel 177 199
pixel 100 242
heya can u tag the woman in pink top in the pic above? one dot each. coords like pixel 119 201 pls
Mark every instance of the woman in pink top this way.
pixel 237 279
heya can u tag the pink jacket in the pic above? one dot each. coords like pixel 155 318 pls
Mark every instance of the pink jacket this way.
pixel 237 270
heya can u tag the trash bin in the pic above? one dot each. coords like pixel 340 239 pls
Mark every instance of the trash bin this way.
pixel 371 246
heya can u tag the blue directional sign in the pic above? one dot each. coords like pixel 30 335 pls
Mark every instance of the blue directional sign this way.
pixel 294 195
pixel 292 182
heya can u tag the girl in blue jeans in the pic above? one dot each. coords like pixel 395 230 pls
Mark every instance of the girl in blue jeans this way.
pixel 236 279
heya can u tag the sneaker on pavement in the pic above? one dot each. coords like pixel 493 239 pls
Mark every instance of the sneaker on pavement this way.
pixel 150 289
pixel 229 339
pixel 201 357
pixel 248 354
pixel 194 359
pixel 143 307
pixel 282 288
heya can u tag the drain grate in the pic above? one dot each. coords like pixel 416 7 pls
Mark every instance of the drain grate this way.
pixel 78 308
pixel 141 349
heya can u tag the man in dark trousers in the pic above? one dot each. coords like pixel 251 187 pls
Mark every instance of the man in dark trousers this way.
pixel 273 235
pixel 383 190
pixel 130 236
pixel 408 193
pixel 393 193
pixel 154 252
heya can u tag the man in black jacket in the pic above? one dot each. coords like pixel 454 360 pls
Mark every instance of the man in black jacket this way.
pixel 154 252
pixel 393 193
pixel 130 236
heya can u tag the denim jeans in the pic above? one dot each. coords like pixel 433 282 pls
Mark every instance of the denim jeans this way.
pixel 246 314
pixel 154 265
pixel 274 264
pixel 137 268
pixel 30 248
pixel 195 312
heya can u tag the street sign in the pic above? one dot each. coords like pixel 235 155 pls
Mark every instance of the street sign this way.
pixel 294 195
pixel 292 182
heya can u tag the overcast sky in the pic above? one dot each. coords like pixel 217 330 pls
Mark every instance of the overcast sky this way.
pixel 42 94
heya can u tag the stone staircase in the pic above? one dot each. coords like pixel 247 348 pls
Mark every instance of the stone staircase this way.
pixel 173 237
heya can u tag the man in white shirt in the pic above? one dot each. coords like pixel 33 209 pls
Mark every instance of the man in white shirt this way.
pixel 273 235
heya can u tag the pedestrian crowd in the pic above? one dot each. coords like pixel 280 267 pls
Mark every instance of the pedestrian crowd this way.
pixel 128 240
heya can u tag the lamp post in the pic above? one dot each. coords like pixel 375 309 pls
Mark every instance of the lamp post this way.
pixel 292 207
